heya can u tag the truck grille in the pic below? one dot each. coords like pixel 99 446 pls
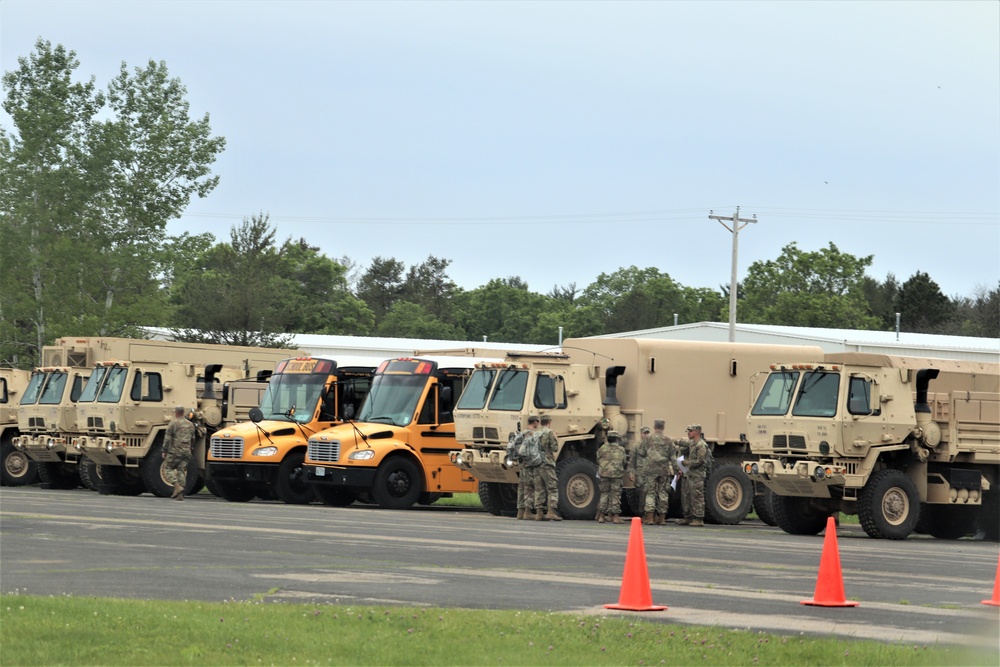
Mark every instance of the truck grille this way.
pixel 782 443
pixel 488 433
pixel 227 448
pixel 324 451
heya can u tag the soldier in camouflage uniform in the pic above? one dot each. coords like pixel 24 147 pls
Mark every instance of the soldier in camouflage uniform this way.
pixel 177 451
pixel 638 465
pixel 527 477
pixel 698 459
pixel 610 468
pixel 547 488
pixel 661 465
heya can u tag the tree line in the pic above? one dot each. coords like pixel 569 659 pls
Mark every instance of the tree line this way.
pixel 89 179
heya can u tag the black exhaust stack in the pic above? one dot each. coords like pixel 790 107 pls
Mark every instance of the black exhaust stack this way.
pixel 210 371
pixel 924 377
pixel 611 383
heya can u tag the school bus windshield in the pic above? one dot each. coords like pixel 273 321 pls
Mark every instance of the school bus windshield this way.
pixel 293 396
pixel 393 399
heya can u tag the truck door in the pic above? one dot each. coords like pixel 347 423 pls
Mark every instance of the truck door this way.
pixel 861 422
pixel 434 435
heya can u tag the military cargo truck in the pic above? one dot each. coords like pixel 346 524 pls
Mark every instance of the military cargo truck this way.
pixel 905 443
pixel 124 412
pixel 16 468
pixel 53 434
pixel 397 452
pixel 613 384
pixel 46 418
pixel 263 457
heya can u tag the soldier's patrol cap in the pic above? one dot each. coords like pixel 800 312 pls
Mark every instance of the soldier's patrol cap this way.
pixel 546 419
pixel 659 424
pixel 644 429
pixel 180 409
pixel 532 419
pixel 613 435
pixel 694 427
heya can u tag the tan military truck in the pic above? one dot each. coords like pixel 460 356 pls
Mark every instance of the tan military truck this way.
pixel 16 468
pixel 125 409
pixel 53 435
pixel 905 443
pixel 46 419
pixel 621 384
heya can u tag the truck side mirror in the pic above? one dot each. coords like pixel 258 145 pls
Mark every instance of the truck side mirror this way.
pixel 256 416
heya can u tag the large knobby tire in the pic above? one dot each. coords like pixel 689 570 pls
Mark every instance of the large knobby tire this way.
pixel 797 516
pixel 16 467
pixel 120 481
pixel 951 522
pixel 58 475
pixel 231 491
pixel 153 466
pixel 579 495
pixel 398 483
pixel 498 498
pixel 763 505
pixel 291 485
pixel 889 505
pixel 90 474
pixel 728 494
pixel 332 496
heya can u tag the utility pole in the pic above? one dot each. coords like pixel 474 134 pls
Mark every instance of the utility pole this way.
pixel 735 229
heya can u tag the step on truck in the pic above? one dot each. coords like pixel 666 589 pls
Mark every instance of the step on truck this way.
pixel 16 467
pixel 398 450
pixel 263 457
pixel 596 385
pixel 907 444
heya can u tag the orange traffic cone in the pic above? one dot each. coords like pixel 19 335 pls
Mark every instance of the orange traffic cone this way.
pixel 830 584
pixel 635 593
pixel 995 602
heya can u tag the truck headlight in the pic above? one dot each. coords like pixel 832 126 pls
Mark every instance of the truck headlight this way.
pixel 50 443
pixel 109 447
pixel 265 451
pixel 458 460
pixel 361 455
pixel 819 473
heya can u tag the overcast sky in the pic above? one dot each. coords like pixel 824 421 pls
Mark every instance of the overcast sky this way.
pixel 556 141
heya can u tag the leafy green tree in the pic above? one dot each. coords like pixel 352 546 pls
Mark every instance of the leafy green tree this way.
pixel 979 314
pixel 808 289
pixel 922 306
pixel 411 320
pixel 317 296
pixel 881 298
pixel 428 285
pixel 236 294
pixel 89 181
pixel 381 285
pixel 503 310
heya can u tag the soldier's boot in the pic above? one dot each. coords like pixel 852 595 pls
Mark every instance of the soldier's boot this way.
pixel 683 522
pixel 616 518
pixel 661 519
pixel 540 515
pixel 696 522
pixel 647 519
pixel 552 516
pixel 600 517
pixel 520 513
pixel 178 490
pixel 179 496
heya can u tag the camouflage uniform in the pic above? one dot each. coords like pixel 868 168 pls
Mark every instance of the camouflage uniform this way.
pixel 639 469
pixel 529 483
pixel 547 488
pixel 661 456
pixel 698 459
pixel 610 468
pixel 177 451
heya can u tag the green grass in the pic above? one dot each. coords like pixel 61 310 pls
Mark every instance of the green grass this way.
pixel 94 631
pixel 461 500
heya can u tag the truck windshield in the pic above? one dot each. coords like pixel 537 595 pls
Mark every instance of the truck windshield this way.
pixel 509 392
pixel 393 399
pixel 34 389
pixel 53 391
pixel 817 395
pixel 292 396
pixel 112 389
pixel 477 390
pixel 93 384
pixel 776 395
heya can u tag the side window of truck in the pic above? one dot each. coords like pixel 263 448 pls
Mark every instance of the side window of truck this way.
pixel 859 397
pixel 147 387
pixel 550 392
pixel 3 390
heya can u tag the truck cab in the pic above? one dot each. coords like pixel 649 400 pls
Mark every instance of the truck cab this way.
pixel 263 457
pixel 397 451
